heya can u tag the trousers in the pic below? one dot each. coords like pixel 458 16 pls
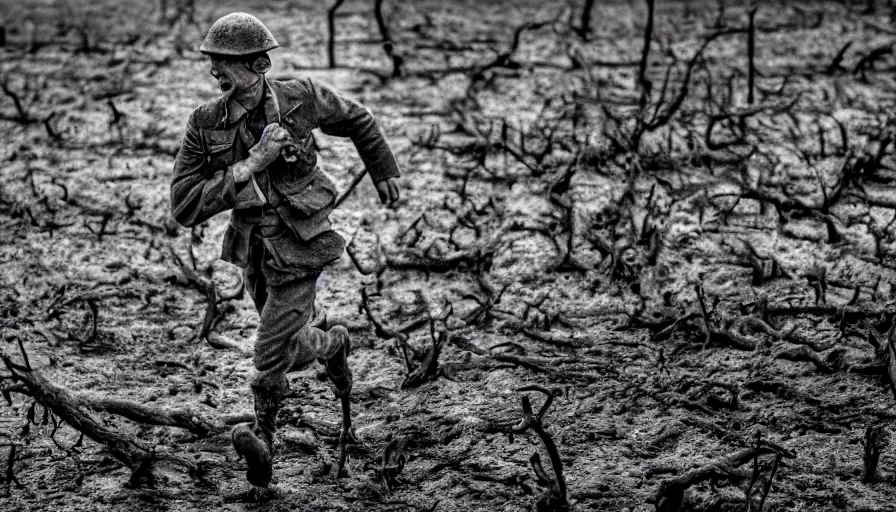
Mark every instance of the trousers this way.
pixel 285 340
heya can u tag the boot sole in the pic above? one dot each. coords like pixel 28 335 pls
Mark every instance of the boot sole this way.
pixel 252 449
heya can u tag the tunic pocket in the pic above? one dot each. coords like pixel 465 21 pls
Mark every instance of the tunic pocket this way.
pixel 319 194
pixel 219 148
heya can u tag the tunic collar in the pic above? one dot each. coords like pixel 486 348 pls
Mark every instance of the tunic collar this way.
pixel 234 111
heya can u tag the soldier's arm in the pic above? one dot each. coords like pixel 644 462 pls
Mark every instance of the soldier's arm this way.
pixel 343 117
pixel 197 192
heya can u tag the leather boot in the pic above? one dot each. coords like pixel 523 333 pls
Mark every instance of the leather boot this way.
pixel 337 363
pixel 255 441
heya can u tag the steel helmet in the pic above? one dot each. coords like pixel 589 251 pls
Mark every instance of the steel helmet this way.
pixel 238 33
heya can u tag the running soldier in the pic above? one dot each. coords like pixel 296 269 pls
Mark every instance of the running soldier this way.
pixel 251 151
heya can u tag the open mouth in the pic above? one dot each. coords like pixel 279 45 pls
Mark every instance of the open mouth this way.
pixel 225 86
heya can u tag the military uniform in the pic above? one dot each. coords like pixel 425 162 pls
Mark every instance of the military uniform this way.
pixel 279 230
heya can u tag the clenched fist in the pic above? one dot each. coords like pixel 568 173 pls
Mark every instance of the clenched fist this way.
pixel 273 139
pixel 388 191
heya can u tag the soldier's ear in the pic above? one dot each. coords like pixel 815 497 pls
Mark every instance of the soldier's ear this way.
pixel 261 64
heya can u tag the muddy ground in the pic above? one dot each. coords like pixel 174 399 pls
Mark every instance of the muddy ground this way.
pixel 517 143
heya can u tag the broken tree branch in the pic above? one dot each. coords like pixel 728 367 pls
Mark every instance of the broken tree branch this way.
pixel 556 499
pixel 133 453
pixel 875 441
pixel 388 44
pixel 429 366
pixel 670 496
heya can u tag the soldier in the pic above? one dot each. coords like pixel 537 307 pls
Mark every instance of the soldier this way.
pixel 251 151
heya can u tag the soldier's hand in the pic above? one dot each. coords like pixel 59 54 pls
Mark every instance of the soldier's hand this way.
pixel 273 139
pixel 388 191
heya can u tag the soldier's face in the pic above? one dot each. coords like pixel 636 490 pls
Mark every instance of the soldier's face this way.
pixel 232 75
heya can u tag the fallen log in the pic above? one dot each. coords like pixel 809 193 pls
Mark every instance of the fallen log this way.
pixel 222 342
pixel 133 453
pixel 182 418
